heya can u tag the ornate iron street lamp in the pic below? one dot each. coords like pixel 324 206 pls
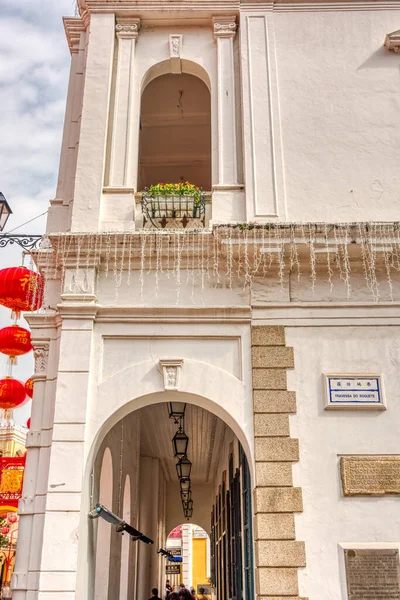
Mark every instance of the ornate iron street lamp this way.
pixel 5 211
pixel 176 411
pixel 184 468
pixel 27 242
pixel 180 443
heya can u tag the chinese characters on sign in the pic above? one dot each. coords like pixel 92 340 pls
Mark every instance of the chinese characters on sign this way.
pixel 354 391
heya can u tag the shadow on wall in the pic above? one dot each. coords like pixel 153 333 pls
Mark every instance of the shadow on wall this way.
pixel 381 59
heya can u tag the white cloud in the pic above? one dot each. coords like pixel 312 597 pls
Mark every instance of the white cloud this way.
pixel 34 71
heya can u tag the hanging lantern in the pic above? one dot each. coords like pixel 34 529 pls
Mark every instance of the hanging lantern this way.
pixel 186 495
pixel 15 341
pixel 176 411
pixel 185 485
pixel 28 423
pixel 188 513
pixel 12 393
pixel 188 505
pixel 21 289
pixel 183 468
pixel 180 443
pixel 29 387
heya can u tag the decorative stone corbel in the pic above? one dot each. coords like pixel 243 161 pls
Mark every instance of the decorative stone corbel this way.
pixel 74 27
pixel 175 48
pixel 171 372
pixel 392 41
pixel 41 356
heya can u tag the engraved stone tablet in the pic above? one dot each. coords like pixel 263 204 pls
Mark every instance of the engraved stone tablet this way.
pixel 372 574
pixel 370 475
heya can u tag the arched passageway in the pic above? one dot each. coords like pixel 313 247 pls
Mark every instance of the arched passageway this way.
pixel 191 544
pixel 150 491
pixel 175 131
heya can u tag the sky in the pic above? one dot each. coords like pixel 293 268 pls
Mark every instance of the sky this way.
pixel 34 71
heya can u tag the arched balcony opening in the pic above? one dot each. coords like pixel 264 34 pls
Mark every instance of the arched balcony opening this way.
pixel 175 145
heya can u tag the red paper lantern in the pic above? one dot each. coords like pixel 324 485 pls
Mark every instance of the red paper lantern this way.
pixel 21 289
pixel 28 423
pixel 12 393
pixel 29 387
pixel 5 530
pixel 15 341
pixel 12 518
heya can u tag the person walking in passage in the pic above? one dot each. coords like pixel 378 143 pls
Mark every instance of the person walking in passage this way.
pixel 168 589
pixel 184 594
pixel 154 594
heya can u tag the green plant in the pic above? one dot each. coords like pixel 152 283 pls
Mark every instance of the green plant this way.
pixel 176 189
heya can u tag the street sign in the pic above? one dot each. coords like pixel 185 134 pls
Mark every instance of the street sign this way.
pixel 172 569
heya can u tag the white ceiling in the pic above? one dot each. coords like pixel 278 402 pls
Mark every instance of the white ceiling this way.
pixel 206 435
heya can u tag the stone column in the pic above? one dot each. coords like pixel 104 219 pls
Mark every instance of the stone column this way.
pixel 148 524
pixel 278 554
pixel 228 199
pixel 118 203
pixel 187 554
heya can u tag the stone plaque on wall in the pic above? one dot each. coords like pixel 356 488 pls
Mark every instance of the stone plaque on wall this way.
pixel 372 574
pixel 370 475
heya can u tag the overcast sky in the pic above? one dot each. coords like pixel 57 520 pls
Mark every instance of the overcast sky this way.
pixel 34 70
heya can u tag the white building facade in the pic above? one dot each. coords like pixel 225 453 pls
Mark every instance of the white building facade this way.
pixel 286 114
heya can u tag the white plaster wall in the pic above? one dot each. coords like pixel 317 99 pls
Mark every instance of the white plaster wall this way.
pixel 215 375
pixel 339 103
pixel 328 518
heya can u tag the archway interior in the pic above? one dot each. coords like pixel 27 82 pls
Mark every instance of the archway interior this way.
pixel 144 485
pixel 175 132
pixel 192 544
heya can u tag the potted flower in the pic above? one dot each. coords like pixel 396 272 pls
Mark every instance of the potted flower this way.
pixel 173 200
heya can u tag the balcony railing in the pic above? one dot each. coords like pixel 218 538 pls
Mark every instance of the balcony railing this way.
pixel 185 211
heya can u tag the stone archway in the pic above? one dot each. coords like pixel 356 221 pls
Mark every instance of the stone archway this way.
pixel 140 443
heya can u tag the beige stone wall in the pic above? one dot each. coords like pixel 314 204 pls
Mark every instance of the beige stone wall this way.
pixel 277 553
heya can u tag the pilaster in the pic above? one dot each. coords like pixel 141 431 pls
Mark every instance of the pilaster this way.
pixel 228 195
pixel 118 202
pixel 45 330
pixel 278 554
pixel 90 166
pixel 60 210
pixel 56 563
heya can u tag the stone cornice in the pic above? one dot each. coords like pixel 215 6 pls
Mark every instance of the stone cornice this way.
pixel 145 8
pixel 74 27
pixel 173 314
pixel 392 41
